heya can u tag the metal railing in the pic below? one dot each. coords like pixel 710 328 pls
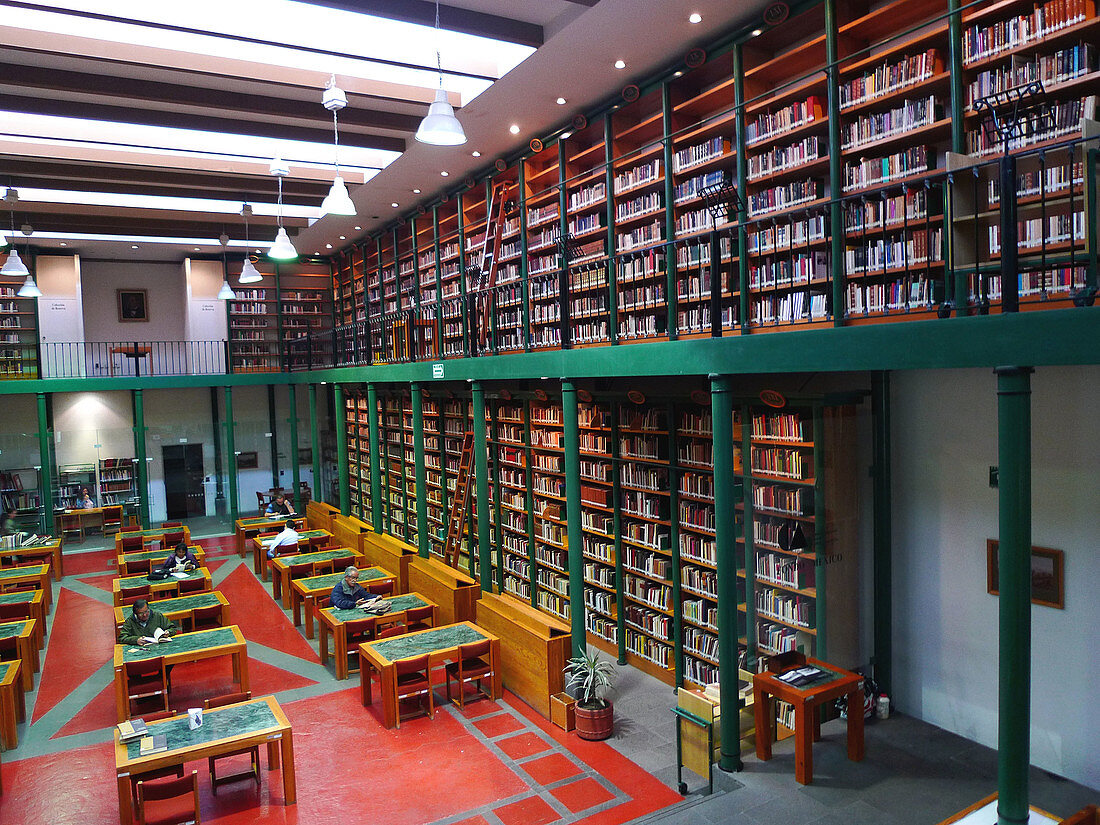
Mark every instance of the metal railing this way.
pixel 108 359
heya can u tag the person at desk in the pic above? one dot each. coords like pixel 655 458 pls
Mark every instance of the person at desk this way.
pixel 288 536
pixel 181 560
pixel 348 593
pixel 7 523
pixel 86 502
pixel 143 624
pixel 279 506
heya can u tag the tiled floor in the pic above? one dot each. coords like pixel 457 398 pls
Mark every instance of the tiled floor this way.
pixel 493 764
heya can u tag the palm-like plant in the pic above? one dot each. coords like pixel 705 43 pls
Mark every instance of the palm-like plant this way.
pixel 592 677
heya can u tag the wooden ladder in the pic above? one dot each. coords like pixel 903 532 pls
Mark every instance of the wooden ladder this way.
pixel 487 278
pixel 460 503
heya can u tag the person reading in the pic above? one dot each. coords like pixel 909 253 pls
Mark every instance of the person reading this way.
pixel 279 506
pixel 86 502
pixel 288 536
pixel 348 593
pixel 145 626
pixel 182 560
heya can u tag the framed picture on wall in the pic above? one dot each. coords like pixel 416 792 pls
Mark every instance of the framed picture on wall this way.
pixel 305 455
pixel 133 304
pixel 1048 574
pixel 248 461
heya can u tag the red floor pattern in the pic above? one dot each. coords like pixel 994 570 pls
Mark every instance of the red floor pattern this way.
pixel 262 620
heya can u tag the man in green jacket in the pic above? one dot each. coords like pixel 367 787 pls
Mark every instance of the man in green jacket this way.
pixel 141 625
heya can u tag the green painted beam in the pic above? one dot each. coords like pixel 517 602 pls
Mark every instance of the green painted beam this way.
pixel 882 531
pixel 836 163
pixel 375 474
pixel 1014 602
pixel 617 516
pixel 295 464
pixel 420 471
pixel 674 545
pixel 342 466
pixel 140 454
pixel 273 439
pixel 315 444
pixel 481 484
pixel 573 533
pixel 231 454
pixel 45 472
pixel 742 166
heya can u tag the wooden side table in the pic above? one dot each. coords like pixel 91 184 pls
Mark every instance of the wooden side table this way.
pixel 807 720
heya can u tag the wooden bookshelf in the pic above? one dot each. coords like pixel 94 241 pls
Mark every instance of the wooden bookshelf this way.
pixel 542 178
pixel 117 481
pixel 358 443
pixel 511 452
pixel 436 526
pixel 452 310
pixel 551 545
pixel 426 286
pixel 598 499
pixel 253 318
pixel 18 333
pixel 21 488
pixel 305 309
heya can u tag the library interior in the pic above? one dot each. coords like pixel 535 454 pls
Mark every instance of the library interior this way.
pixel 584 411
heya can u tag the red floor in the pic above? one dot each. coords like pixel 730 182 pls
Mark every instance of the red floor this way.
pixel 493 757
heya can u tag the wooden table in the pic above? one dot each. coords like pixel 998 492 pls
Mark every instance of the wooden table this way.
pixel 184 647
pixel 38 610
pixel 225 729
pixel 807 721
pixel 123 559
pixel 24 633
pixel 440 643
pixel 132 351
pixel 150 535
pixel 13 703
pixel 180 607
pixel 41 553
pixel 259 549
pixel 305 592
pixel 87 516
pixel 247 528
pixel 280 568
pixel 332 621
pixel 163 589
pixel 37 573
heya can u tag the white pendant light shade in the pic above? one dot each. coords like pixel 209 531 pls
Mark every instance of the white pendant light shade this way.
pixel 226 293
pixel 440 127
pixel 282 249
pixel 337 201
pixel 14 265
pixel 29 289
pixel 249 273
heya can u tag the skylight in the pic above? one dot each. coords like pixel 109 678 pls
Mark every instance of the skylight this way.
pixel 175 204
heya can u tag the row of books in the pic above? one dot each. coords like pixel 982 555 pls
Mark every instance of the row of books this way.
pixel 985 40
pixel 891 77
pixel 1064 64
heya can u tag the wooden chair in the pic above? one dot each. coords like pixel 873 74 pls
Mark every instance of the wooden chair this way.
pixel 288 549
pixel 303 569
pixel 112 519
pixel 72 523
pixel 390 630
pixel 260 502
pixel 413 679
pixel 157 773
pixel 190 586
pixel 9 650
pixel 419 618
pixel 132 544
pixel 15 611
pixel 358 631
pixel 145 679
pixel 171 540
pixel 173 802
pixel 167 525
pixel 384 588
pixel 139 568
pixel 205 618
pixel 18 587
pixel 252 752
pixel 473 665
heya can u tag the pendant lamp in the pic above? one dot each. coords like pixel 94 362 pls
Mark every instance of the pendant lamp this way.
pixel 14 265
pixel 226 293
pixel 337 201
pixel 29 289
pixel 249 273
pixel 440 127
pixel 282 249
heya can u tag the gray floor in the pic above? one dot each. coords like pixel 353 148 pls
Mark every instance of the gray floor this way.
pixel 912 774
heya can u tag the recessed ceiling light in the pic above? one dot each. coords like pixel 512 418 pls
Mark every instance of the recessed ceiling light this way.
pixel 358 228
pixel 566 135
pixel 328 246
pixel 395 204
pixel 561 101
pixel 196 248
pixel 133 246
pixel 514 128
pixel 257 251
pixel 678 74
pixel 757 32
pixel 343 238
pixel 695 17
pixel 620 64
pixel 444 173
pixel 476 153
pixel 64 244
pixel 316 253
pixel 416 191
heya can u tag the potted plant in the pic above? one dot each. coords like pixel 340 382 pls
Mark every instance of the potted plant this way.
pixel 592 677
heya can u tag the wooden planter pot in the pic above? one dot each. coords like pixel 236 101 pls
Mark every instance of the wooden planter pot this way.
pixel 595 723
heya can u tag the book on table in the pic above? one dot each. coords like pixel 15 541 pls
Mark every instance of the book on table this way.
pixel 157 743
pixel 802 676
pixel 132 729
pixel 159 635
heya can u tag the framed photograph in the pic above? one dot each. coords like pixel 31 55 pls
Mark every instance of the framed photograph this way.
pixel 1048 574
pixel 133 304
pixel 248 461
pixel 305 455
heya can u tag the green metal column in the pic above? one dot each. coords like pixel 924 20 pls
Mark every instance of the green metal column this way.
pixel 821 582
pixel 45 474
pixel 617 516
pixel 438 285
pixel 481 480
pixel 273 439
pixel 462 285
pixel 955 68
pixel 609 188
pixel 1014 563
pixel 1092 216
pixel 295 469
pixel 138 401
pixel 573 533
pixel 525 286
pixel 836 166
pixel 670 213
pixel 674 544
pixel 725 530
pixel 231 454
pixel 375 475
pixel 420 470
pixel 742 183
pixel 342 449
pixel 315 444
pixel 882 527
pixel 748 515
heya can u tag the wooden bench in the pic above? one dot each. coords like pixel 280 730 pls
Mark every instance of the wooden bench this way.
pixel 319 515
pixel 454 591
pixel 391 553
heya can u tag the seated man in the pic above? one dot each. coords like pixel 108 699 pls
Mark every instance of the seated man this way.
pixel 279 506
pixel 348 593
pixel 288 536
pixel 182 560
pixel 142 625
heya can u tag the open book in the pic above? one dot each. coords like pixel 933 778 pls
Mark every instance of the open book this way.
pixel 132 729
pixel 802 676
pixel 179 574
pixel 159 635
pixel 153 744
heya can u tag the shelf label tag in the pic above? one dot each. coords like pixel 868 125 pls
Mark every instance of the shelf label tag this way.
pixel 437 370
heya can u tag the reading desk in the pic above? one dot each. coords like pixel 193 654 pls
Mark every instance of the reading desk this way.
pixel 332 620
pixel 13 702
pixel 162 589
pixel 156 534
pixel 180 607
pixel 12 577
pixel 24 633
pixel 247 528
pixel 133 563
pixel 33 598
pixel 306 592
pixel 41 553
pixel 259 549
pixel 280 568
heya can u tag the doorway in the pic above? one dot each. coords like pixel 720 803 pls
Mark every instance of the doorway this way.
pixel 184 494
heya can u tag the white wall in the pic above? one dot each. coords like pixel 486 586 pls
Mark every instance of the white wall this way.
pixel 945 624
pixel 100 281
pixel 175 417
pixel 205 318
pixel 89 426
pixel 60 318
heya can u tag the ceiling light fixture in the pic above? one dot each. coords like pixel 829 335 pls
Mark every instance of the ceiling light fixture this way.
pixel 337 201
pixel 561 101
pixel 440 127
pixel 476 153
pixel 695 17
pixel 226 293
pixel 620 64
pixel 394 204
pixel 444 173
pixel 14 265
pixel 757 32
pixel 282 249
pixel 514 128
pixel 415 192
pixel 249 273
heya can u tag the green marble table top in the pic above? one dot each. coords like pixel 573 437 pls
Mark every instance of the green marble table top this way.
pixel 6 668
pixel 29 570
pixel 329 579
pixel 9 629
pixel 137 581
pixel 312 534
pixel 162 554
pixel 180 603
pixel 184 643
pixel 19 597
pixel 220 723
pixel 397 604
pixel 417 644
pixel 152 531
pixel 320 555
